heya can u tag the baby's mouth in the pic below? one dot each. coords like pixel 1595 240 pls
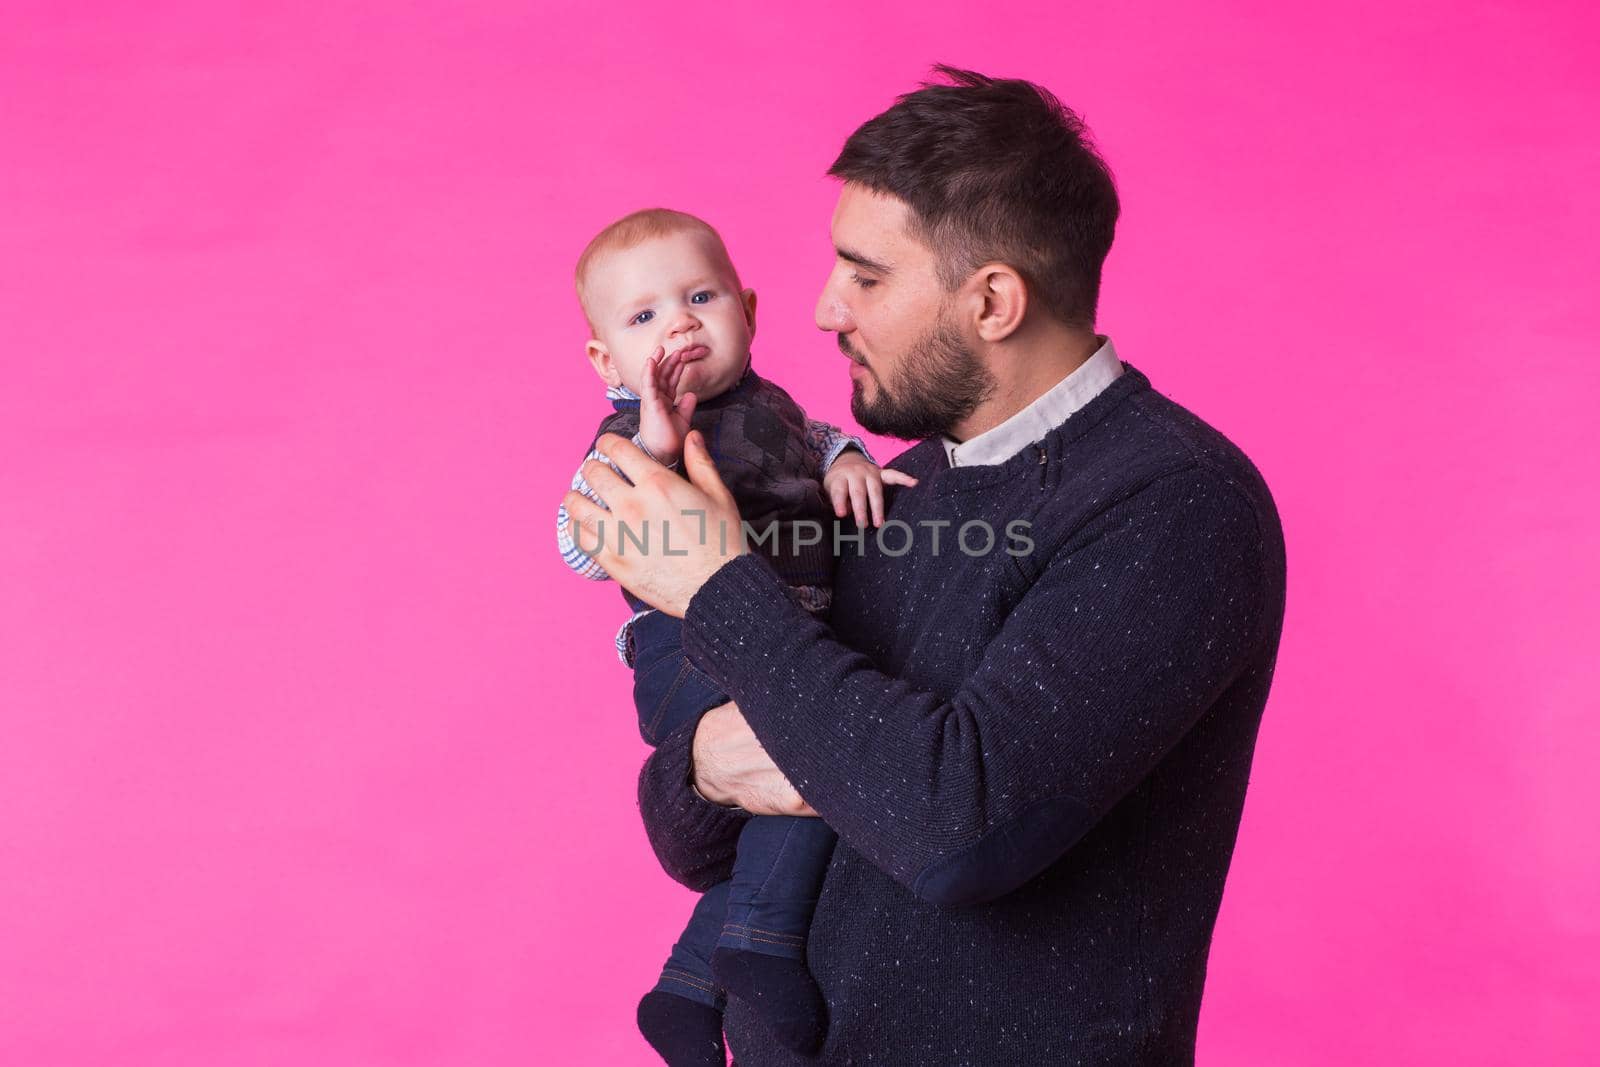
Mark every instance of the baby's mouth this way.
pixel 692 353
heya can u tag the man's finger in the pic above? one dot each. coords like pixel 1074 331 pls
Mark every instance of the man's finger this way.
pixel 628 457
pixel 607 483
pixel 702 471
pixel 585 515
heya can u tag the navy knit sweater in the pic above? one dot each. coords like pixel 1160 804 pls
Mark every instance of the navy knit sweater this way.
pixel 1035 763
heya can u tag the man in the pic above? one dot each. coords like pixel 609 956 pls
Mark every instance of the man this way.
pixel 1035 755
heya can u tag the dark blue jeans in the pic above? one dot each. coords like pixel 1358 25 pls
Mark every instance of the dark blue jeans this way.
pixel 766 906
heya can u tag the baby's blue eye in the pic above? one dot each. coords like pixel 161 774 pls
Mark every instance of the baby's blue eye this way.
pixel 695 299
pixel 643 317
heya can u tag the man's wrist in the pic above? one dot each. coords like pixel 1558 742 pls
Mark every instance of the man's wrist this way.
pixel 695 758
pixel 702 796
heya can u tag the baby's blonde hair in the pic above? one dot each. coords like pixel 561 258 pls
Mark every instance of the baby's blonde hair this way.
pixel 636 229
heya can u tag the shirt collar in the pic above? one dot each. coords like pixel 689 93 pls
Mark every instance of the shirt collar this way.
pixel 1032 423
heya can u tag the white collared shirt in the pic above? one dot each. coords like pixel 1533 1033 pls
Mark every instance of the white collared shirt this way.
pixel 1051 409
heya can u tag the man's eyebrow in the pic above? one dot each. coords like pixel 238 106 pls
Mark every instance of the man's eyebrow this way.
pixel 850 256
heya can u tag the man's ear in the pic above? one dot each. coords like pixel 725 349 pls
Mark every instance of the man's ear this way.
pixel 748 298
pixel 600 359
pixel 1001 301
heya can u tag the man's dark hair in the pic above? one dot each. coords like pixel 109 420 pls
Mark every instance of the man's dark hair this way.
pixel 995 171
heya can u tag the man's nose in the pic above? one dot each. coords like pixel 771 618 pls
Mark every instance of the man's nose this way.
pixel 832 314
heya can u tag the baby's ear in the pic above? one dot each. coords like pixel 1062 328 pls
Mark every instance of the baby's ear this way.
pixel 600 359
pixel 748 298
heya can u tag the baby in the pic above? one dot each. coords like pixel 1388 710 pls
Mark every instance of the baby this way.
pixel 671 328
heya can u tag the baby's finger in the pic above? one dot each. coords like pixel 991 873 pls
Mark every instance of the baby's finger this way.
pixel 875 495
pixel 840 494
pixel 891 477
pixel 648 384
pixel 858 501
pixel 676 373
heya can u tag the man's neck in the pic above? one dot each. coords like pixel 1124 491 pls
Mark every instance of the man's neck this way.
pixel 1030 366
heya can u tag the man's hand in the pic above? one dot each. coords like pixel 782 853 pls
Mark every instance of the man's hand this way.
pixel 663 414
pixel 732 769
pixel 855 484
pixel 661 537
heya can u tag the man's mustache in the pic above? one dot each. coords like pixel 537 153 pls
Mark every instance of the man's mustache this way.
pixel 844 346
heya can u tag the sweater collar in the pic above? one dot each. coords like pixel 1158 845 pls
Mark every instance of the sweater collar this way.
pixel 1036 461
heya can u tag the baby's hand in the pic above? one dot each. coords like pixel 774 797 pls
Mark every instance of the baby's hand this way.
pixel 663 414
pixel 855 483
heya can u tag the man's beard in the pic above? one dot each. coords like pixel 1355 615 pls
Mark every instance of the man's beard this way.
pixel 940 382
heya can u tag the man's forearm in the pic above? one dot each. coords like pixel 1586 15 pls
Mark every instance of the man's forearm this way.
pixel 694 839
pixel 729 767
pixel 964 797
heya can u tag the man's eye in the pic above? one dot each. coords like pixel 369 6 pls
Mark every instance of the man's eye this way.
pixel 695 299
pixel 642 318
pixel 865 283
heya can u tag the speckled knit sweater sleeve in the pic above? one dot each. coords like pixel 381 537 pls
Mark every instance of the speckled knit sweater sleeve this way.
pixel 1126 634
pixel 693 838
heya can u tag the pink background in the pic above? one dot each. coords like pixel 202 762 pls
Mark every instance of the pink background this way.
pixel 312 747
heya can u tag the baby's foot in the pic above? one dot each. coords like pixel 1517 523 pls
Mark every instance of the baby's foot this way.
pixel 782 992
pixel 685 1032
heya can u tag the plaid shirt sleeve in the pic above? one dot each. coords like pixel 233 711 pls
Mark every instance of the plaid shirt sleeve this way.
pixel 579 561
pixel 826 442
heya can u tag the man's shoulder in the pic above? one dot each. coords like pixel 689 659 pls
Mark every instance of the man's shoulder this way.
pixel 1141 438
pixel 1180 436
pixel 921 459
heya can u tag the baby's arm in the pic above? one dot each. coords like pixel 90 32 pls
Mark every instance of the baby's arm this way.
pixel 574 557
pixel 664 416
pixel 827 443
pixel 853 481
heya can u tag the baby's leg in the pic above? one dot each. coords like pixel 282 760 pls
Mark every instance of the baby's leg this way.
pixel 668 691
pixel 760 955
pixel 682 1016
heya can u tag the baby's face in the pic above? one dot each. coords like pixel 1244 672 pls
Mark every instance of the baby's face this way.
pixel 676 293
